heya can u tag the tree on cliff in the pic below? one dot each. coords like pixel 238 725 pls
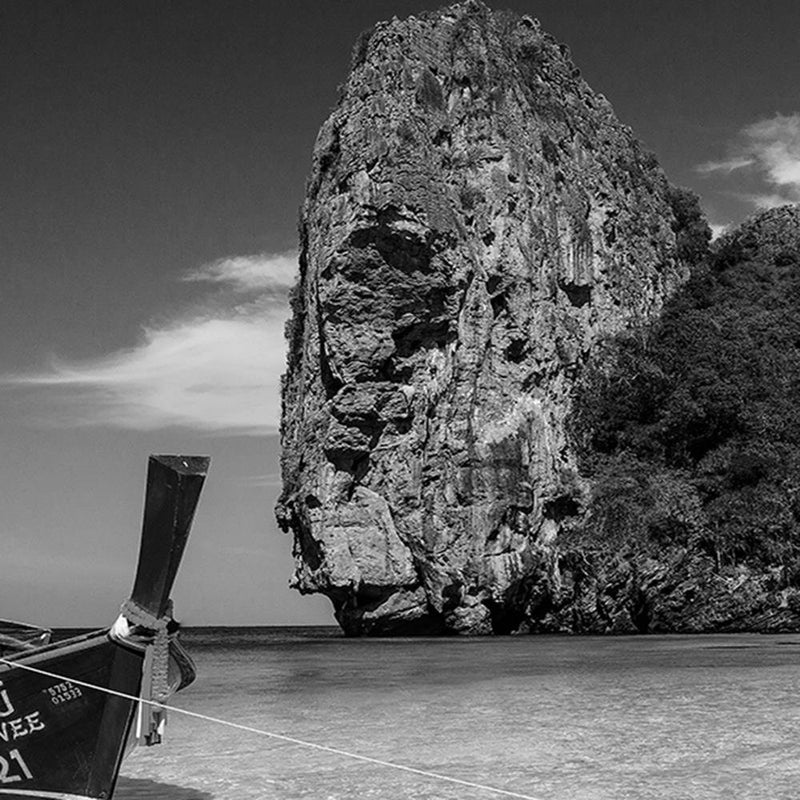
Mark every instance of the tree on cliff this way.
pixel 690 429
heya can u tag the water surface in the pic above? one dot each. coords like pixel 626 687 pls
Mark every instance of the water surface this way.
pixel 556 718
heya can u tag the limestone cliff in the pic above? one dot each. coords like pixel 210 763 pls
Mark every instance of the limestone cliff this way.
pixel 476 220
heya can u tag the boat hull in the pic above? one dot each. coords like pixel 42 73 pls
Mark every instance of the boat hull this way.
pixel 59 739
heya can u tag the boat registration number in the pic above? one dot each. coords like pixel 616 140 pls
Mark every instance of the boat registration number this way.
pixel 63 693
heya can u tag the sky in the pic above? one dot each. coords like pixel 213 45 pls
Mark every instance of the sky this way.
pixel 152 162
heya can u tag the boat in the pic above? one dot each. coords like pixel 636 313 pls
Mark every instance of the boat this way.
pixel 70 711
pixel 19 636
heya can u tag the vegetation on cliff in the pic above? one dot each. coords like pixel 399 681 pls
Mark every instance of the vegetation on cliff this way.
pixel 689 432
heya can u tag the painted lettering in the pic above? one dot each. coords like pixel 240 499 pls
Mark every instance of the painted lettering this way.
pixel 14 729
pixel 17 756
pixel 6 709
pixel 34 723
pixel 5 776
pixel 12 773
pixel 63 692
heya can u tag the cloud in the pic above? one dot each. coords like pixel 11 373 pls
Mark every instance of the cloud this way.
pixel 776 144
pixel 765 200
pixel 266 273
pixel 212 371
pixel 269 479
pixel 718 229
pixel 768 151
pixel 725 166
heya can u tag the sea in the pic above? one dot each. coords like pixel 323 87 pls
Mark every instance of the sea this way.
pixel 543 717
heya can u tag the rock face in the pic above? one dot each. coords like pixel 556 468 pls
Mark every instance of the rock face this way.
pixel 476 220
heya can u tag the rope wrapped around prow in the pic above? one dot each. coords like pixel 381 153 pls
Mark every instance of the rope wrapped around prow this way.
pixel 150 719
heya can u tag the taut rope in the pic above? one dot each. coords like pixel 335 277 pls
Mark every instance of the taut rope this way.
pixel 281 737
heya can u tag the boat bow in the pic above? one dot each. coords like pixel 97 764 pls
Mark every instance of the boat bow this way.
pixel 60 738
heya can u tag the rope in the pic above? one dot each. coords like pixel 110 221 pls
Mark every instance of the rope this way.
pixel 281 737
pixel 137 615
pixel 150 721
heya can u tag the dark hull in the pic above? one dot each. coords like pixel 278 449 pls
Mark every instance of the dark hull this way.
pixel 63 738
pixel 59 738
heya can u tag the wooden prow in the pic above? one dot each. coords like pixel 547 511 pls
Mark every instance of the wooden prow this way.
pixel 173 490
